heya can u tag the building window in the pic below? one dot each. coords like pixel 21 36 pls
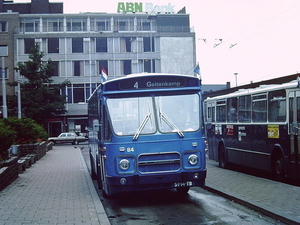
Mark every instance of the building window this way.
pixel 3 26
pixel 149 65
pixel 77 45
pixel 126 44
pixel 70 93
pixel 149 44
pixel 146 25
pixel 78 93
pixel 103 26
pixel 30 25
pixel 77 24
pixel 55 65
pixel 53 45
pixel 3 50
pixel 103 64
pixel 124 24
pixel 126 67
pixel 52 25
pixel 90 88
pixel 28 45
pixel 101 44
pixel 78 68
pixel 100 24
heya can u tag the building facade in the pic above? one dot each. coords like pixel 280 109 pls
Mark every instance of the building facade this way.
pixel 8 23
pixel 83 46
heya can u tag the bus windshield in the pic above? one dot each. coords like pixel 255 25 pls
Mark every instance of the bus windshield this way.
pixel 178 113
pixel 135 116
pixel 129 115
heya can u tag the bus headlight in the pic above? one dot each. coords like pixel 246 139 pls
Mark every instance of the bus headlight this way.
pixel 124 164
pixel 193 159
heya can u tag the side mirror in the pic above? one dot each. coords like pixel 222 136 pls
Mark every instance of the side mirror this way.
pixel 96 125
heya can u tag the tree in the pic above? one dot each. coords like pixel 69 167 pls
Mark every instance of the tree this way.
pixel 40 98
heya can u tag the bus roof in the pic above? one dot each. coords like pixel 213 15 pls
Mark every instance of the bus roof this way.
pixel 145 75
pixel 257 90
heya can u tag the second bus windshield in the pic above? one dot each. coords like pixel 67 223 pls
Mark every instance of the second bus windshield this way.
pixel 147 115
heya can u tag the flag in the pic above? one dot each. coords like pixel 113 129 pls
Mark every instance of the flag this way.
pixel 197 69
pixel 104 74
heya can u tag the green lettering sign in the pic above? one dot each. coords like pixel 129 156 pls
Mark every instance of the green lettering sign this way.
pixel 130 7
pixel 121 7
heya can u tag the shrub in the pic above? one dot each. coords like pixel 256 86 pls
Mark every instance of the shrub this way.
pixel 6 139
pixel 26 130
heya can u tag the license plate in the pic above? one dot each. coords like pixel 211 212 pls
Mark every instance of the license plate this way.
pixel 183 184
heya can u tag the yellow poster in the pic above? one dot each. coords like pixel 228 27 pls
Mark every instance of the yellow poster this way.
pixel 273 131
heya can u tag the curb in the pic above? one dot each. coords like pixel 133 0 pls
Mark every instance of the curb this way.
pixel 102 217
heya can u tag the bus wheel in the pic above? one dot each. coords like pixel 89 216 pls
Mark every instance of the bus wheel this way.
pixel 183 190
pixel 222 158
pixel 278 167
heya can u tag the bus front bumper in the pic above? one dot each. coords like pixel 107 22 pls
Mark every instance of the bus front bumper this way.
pixel 151 182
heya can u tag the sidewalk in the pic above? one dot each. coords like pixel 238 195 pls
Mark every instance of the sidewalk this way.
pixel 275 199
pixel 55 190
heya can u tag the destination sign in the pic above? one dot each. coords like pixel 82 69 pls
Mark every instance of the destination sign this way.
pixel 152 82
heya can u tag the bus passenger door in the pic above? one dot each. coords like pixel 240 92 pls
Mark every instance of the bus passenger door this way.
pixel 104 135
pixel 294 132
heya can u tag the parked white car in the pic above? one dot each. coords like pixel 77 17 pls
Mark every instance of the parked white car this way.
pixel 67 138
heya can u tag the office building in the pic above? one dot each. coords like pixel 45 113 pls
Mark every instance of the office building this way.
pixel 83 46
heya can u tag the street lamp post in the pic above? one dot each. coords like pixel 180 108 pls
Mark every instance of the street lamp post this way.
pixel 4 106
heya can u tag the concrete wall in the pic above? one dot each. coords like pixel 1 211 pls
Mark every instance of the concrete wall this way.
pixel 177 54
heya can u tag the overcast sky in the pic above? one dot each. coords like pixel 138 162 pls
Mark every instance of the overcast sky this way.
pixel 260 38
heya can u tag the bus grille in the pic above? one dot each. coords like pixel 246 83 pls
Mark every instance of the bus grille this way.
pixel 159 162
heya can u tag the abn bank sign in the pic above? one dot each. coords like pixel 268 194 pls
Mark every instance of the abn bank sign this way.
pixel 144 7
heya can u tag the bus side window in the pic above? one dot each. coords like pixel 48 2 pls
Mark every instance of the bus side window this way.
pixel 221 111
pixel 259 108
pixel 244 108
pixel 277 106
pixel 232 109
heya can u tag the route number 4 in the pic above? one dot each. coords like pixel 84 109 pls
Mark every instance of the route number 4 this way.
pixel 136 85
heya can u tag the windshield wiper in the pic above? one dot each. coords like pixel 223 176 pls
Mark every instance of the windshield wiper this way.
pixel 170 123
pixel 141 127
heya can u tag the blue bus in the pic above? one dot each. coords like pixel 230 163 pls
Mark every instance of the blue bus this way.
pixel 257 128
pixel 146 132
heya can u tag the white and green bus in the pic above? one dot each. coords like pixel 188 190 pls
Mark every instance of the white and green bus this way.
pixel 256 128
